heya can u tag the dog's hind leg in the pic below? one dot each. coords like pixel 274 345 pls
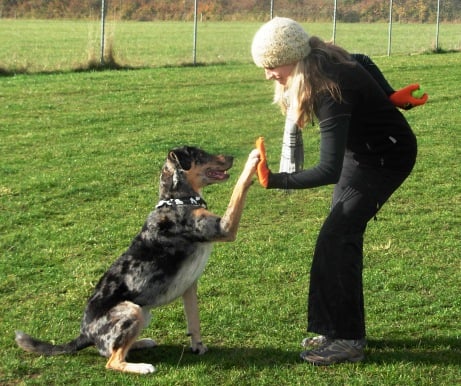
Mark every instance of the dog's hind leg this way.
pixel 193 320
pixel 125 322
pixel 146 342
pixel 117 362
pixel 143 344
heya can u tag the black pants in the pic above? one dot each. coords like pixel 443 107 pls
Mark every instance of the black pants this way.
pixel 335 302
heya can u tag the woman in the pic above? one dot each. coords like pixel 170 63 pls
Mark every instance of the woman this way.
pixel 367 149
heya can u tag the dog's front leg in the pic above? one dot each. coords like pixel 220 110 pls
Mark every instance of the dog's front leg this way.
pixel 193 320
pixel 231 219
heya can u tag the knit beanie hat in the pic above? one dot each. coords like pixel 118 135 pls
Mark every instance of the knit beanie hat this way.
pixel 279 42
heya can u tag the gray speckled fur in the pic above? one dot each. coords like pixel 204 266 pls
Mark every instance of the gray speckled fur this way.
pixel 163 262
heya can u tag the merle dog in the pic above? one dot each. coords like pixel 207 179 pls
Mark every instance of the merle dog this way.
pixel 163 262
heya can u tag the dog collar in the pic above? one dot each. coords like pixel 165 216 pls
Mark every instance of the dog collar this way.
pixel 194 201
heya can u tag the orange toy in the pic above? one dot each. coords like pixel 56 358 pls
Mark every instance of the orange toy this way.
pixel 407 98
pixel 263 170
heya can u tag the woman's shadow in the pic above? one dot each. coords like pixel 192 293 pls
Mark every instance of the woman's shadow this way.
pixel 432 351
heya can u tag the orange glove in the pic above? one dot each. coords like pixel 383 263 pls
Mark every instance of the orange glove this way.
pixel 404 99
pixel 263 170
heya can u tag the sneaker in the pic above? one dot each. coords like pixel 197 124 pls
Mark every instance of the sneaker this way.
pixel 335 351
pixel 314 341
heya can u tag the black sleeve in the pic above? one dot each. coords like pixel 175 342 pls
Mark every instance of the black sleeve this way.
pixel 366 62
pixel 333 138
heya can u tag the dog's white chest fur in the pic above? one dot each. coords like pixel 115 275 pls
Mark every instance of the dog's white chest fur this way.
pixel 189 272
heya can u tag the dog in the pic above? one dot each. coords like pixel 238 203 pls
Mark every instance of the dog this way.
pixel 163 262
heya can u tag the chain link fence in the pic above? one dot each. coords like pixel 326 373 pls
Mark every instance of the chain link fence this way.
pixel 56 45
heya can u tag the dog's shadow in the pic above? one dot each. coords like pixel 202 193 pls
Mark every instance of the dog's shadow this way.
pixel 222 357
pixel 441 352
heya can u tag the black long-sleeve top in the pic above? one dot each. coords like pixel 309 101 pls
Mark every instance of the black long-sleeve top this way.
pixel 364 125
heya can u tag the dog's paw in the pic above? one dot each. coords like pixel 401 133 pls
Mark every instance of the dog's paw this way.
pixel 139 368
pixel 199 348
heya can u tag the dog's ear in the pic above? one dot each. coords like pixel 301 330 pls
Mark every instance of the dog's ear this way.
pixel 178 159
pixel 166 178
pixel 181 157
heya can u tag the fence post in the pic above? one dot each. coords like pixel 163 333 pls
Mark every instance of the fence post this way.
pixel 437 27
pixel 194 49
pixel 389 37
pixel 334 21
pixel 103 38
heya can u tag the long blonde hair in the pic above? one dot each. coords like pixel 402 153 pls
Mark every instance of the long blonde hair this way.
pixel 308 79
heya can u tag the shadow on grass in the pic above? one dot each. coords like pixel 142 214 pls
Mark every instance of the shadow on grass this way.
pixel 95 66
pixel 437 353
pixel 440 352
pixel 222 357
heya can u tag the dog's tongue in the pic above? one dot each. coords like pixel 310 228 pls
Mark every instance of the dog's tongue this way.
pixel 217 175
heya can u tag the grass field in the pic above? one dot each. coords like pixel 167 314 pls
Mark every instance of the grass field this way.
pixel 44 46
pixel 80 159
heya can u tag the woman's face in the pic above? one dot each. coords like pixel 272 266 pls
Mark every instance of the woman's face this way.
pixel 280 74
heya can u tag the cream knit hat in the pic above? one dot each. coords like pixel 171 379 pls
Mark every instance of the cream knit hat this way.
pixel 279 42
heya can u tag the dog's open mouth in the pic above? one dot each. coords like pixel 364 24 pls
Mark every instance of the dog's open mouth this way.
pixel 215 174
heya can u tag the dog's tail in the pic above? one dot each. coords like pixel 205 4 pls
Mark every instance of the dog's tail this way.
pixel 31 344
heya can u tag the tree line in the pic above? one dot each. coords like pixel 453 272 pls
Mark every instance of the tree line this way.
pixel 421 11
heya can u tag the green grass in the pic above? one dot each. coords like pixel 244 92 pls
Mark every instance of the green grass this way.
pixel 57 45
pixel 80 159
